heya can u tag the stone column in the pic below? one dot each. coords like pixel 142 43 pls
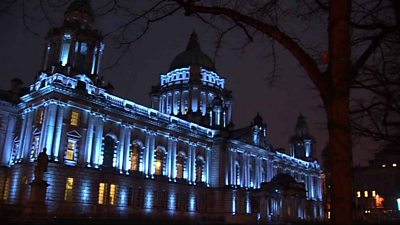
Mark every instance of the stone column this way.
pixel 27 136
pixel 256 172
pixel 190 163
pixel 234 175
pixel 194 156
pixel 43 132
pixel 98 142
pixel 146 154
pixel 230 166
pixel 243 179
pixel 24 117
pixel 9 141
pixel 169 158
pixel 50 127
pixel 120 147
pixel 127 148
pixel 151 155
pixel 58 132
pixel 208 158
pixel 89 139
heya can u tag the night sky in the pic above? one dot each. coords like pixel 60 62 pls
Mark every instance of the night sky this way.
pixel 247 72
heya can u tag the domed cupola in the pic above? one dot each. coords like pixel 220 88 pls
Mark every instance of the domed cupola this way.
pixel 189 87
pixel 302 144
pixel 75 48
pixel 192 56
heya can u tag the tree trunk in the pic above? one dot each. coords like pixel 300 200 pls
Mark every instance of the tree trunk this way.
pixel 336 100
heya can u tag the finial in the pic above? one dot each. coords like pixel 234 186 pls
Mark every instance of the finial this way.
pixel 193 42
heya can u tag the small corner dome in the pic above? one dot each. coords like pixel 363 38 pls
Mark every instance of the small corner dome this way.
pixel 192 56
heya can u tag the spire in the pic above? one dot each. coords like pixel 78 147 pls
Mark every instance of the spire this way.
pixel 193 42
pixel 258 120
pixel 301 126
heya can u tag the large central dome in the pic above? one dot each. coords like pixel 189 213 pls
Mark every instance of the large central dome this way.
pixel 192 56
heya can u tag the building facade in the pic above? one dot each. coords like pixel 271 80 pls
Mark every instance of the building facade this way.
pixel 180 158
pixel 377 196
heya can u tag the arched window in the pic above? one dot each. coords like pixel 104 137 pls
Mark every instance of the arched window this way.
pixel 180 165
pixel 135 156
pixel 159 162
pixel 200 169
pixel 109 153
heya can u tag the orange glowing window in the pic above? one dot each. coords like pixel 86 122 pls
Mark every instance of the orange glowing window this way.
pixel 379 201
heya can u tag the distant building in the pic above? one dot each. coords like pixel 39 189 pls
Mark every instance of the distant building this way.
pixel 377 193
pixel 111 157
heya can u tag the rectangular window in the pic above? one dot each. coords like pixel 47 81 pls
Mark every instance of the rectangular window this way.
pixel 113 194
pixel 107 194
pixel 69 187
pixel 35 147
pixel 6 189
pixel 139 199
pixel 358 194
pixel 366 194
pixel 40 116
pixel 71 146
pixel 373 193
pixel 130 196
pixel 74 118
pixel 102 188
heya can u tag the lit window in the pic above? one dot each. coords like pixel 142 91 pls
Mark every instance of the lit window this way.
pixel 74 118
pixel 40 117
pixel 373 193
pixel 398 204
pixel 102 187
pixel 383 166
pixel 6 189
pixel 180 166
pixel 379 201
pixel 199 170
pixel 135 157
pixel 69 185
pixel 358 194
pixel 71 145
pixel 35 147
pixel 366 194
pixel 394 165
pixel 158 164
pixel 113 194
pixel 107 194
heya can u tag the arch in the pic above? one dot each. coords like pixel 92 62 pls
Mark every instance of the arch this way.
pixel 159 160
pixel 109 150
pixel 180 164
pixel 200 164
pixel 136 153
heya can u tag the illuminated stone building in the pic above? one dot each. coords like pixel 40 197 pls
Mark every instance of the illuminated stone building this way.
pixel 179 158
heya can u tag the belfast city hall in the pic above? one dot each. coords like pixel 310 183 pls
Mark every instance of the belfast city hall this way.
pixel 70 148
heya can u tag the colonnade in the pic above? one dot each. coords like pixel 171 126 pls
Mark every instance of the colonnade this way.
pixel 91 143
pixel 248 170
